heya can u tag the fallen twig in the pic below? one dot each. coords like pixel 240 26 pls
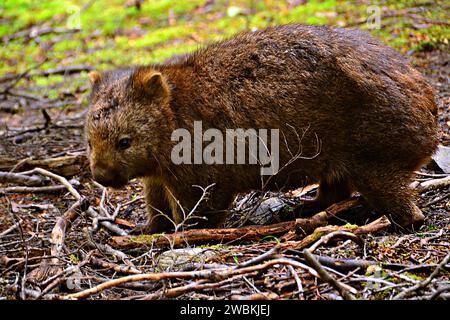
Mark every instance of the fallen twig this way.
pixel 49 269
pixel 432 184
pixel 439 292
pixel 423 284
pixel 26 251
pixel 212 274
pixel 59 230
pixel 59 70
pixel 267 255
pixel 220 235
pixel 46 189
pixel 298 281
pixel 438 199
pixel 66 165
pixel 105 249
pixel 21 76
pixel 10 229
pixel 373 227
pixel 113 266
pixel 37 32
pixel 344 290
pixel 106 224
pixel 195 286
pixel 61 179
pixel 339 233
pixel 90 211
pixel 56 279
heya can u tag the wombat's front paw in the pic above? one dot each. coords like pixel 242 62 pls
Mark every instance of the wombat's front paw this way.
pixel 411 221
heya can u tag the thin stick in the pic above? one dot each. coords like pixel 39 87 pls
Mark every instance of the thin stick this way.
pixel 90 211
pixel 196 286
pixel 10 229
pixel 432 184
pixel 46 189
pixel 26 249
pixel 343 289
pixel 57 241
pixel 298 281
pixel 61 179
pixel 339 233
pixel 266 255
pixel 18 178
pixel 213 274
pixel 57 278
pixel 113 266
pixel 62 223
pixel 423 284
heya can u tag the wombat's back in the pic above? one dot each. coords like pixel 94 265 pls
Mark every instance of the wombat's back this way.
pixel 359 96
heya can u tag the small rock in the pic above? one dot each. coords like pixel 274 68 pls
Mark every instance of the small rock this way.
pixel 177 258
pixel 442 158
pixel 265 211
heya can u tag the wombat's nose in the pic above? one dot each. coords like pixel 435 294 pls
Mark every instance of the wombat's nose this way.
pixel 109 176
pixel 103 176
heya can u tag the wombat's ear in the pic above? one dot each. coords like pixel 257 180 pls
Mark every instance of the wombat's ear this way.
pixel 94 77
pixel 151 82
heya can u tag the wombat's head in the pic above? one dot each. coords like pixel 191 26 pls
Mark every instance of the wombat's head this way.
pixel 127 122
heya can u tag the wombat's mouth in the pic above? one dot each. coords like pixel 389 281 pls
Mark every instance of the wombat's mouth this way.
pixel 116 182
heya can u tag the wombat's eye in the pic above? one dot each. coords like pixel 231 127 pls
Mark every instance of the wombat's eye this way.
pixel 124 143
pixel 114 103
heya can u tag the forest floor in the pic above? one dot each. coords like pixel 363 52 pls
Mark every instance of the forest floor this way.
pixel 43 101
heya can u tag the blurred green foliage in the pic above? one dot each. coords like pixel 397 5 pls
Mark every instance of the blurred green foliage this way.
pixel 115 32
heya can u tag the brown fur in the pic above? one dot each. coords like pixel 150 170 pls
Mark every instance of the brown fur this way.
pixel 370 113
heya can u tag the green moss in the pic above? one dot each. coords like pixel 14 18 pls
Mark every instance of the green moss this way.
pixel 74 259
pixel 217 247
pixel 161 35
pixel 160 8
pixel 310 14
pixel 351 226
pixel 146 238
pixel 414 276
pixel 160 55
pixel 271 238
pixel 316 235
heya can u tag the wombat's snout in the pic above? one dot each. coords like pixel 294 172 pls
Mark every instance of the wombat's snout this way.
pixel 108 177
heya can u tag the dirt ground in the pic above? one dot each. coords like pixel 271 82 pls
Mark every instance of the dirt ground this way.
pixel 400 260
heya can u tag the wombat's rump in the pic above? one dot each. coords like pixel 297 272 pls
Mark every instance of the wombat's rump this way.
pixel 361 116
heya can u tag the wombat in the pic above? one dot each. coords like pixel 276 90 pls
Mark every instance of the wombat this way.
pixel 352 114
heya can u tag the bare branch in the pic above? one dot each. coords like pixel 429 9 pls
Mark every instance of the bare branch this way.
pixel 426 282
